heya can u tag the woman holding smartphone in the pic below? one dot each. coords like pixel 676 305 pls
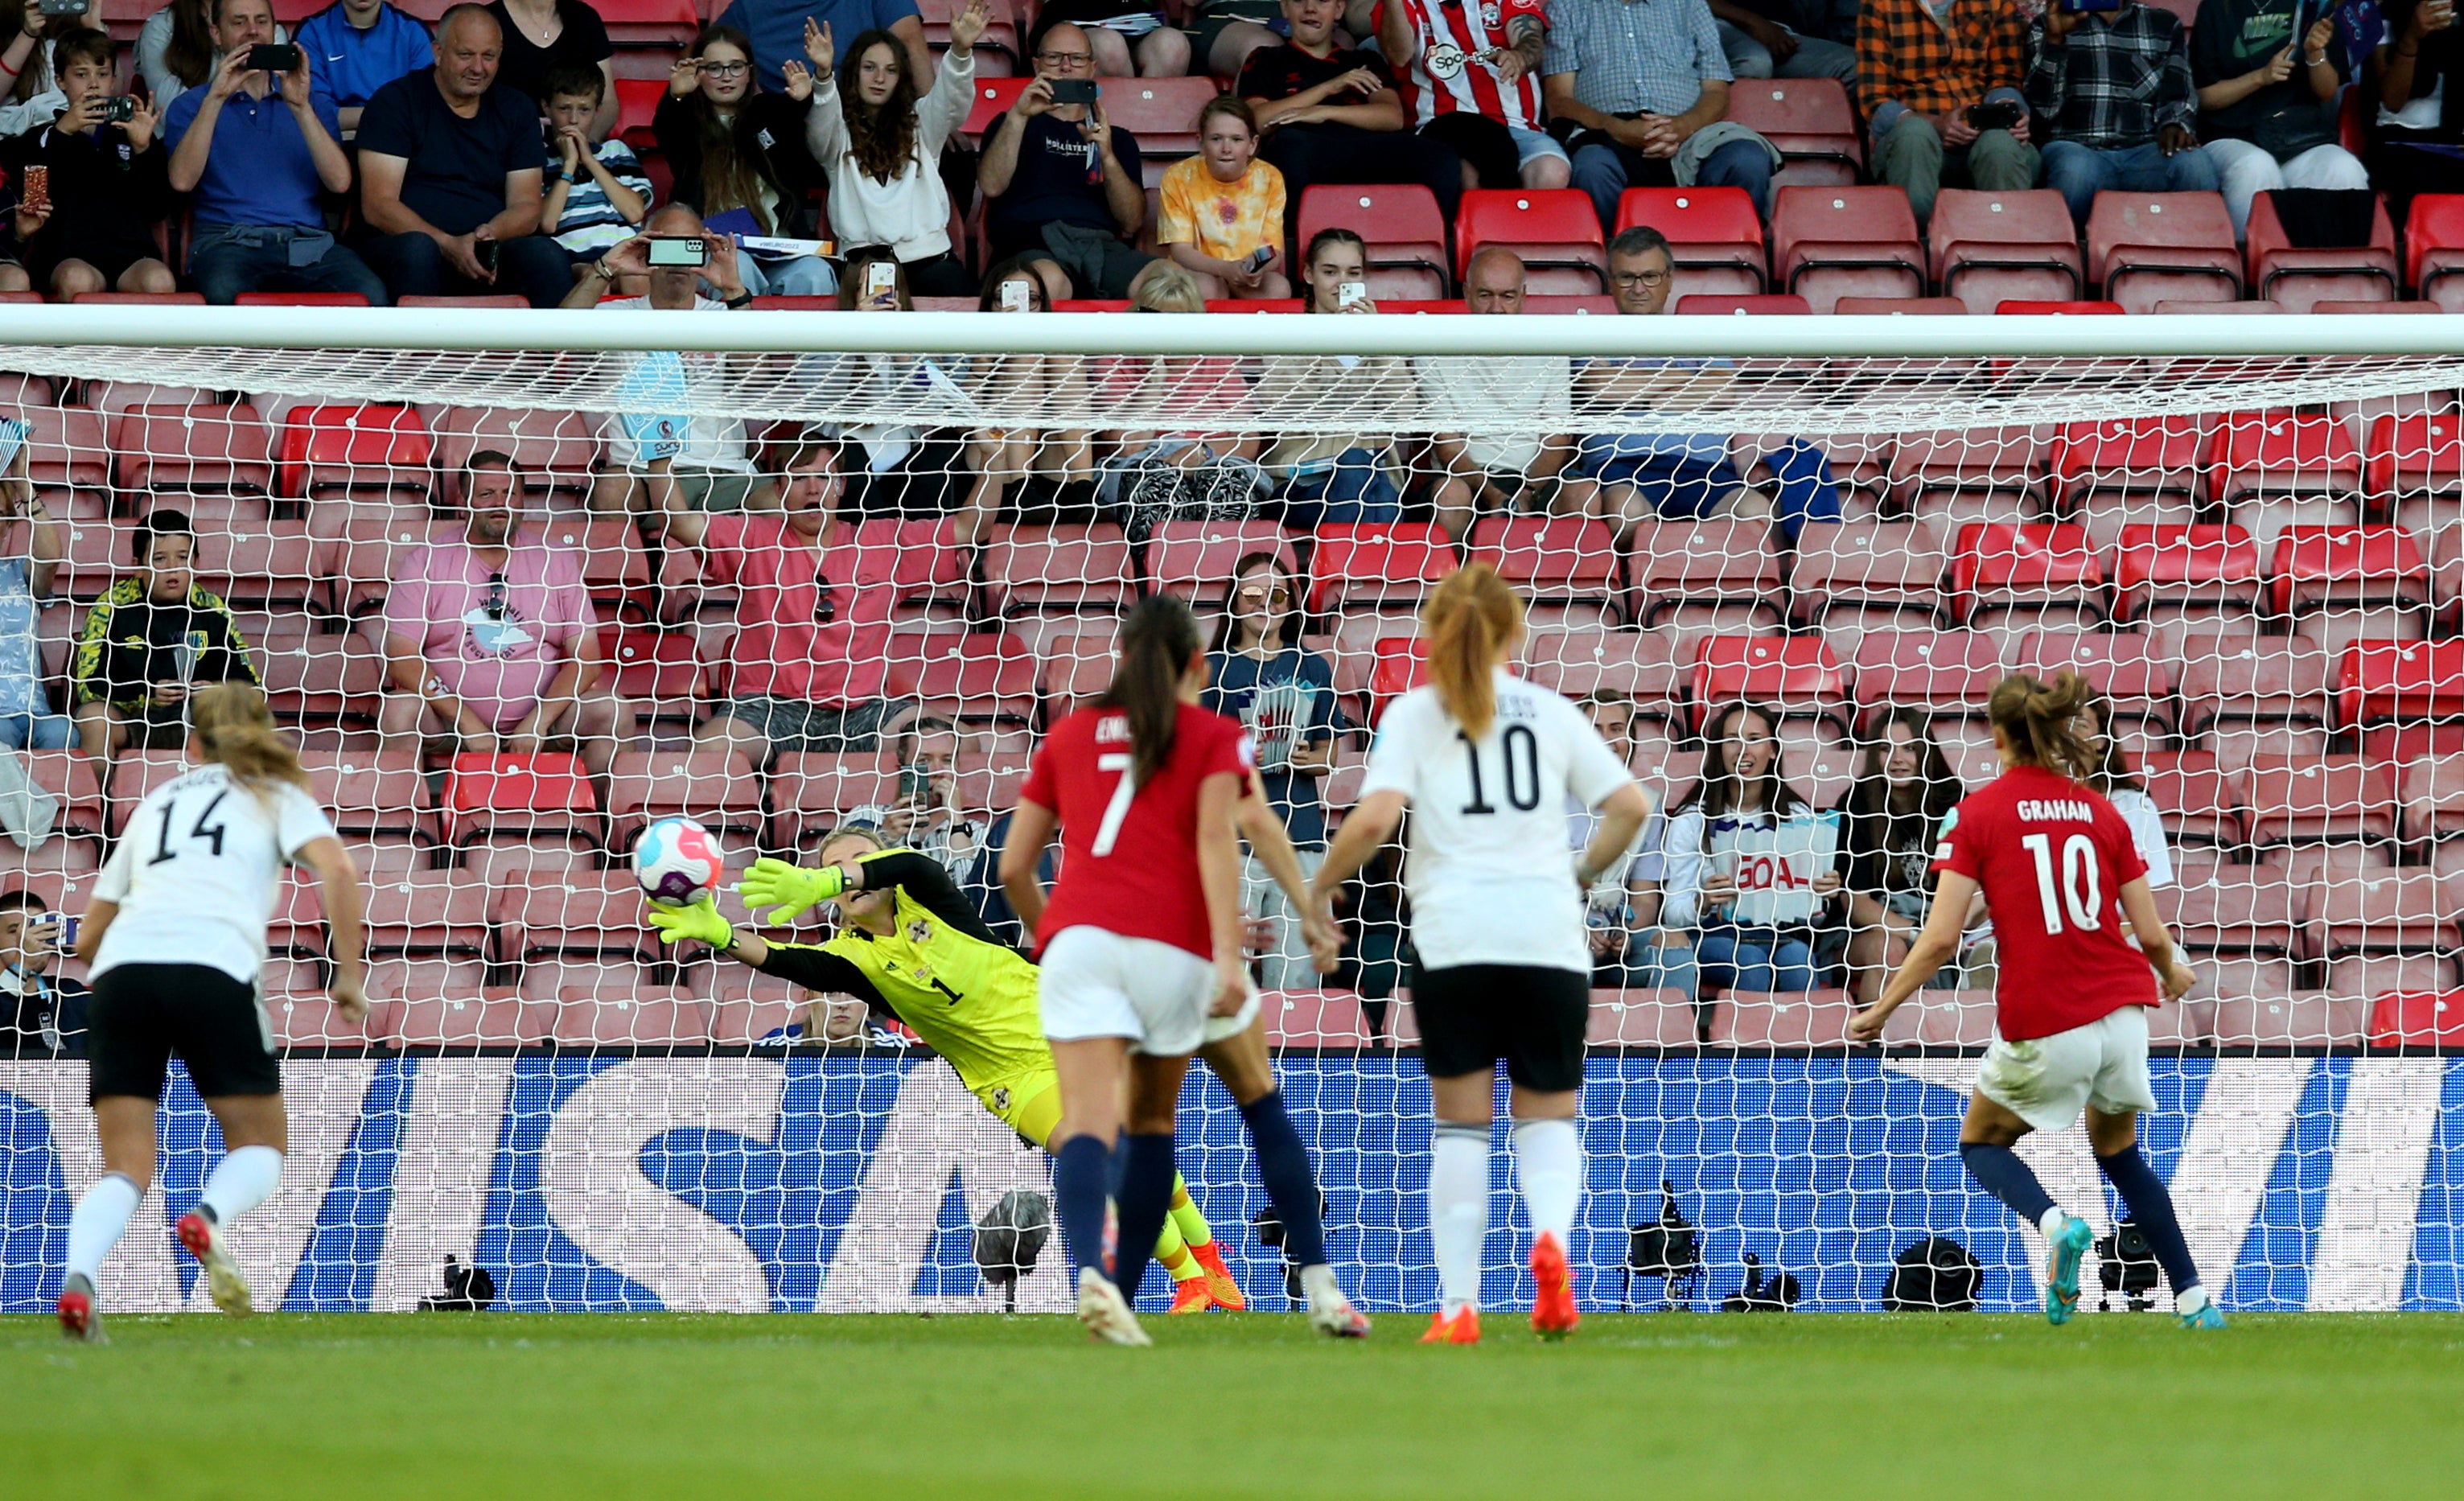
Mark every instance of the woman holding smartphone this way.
pixel 1330 478
pixel 1054 469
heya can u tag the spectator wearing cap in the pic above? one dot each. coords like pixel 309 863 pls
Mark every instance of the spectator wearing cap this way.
pixel 27 561
pixel 255 152
pixel 1470 76
pixel 41 1014
pixel 2112 90
pixel 1942 84
pixel 1507 452
pixel 152 637
pixel 1640 92
pixel 356 47
pixel 488 640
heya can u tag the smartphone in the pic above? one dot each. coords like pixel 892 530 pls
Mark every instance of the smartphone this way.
pixel 64 930
pixel 1258 259
pixel 2083 7
pixel 679 250
pixel 36 192
pixel 1017 298
pixel 915 785
pixel 1074 91
pixel 1999 115
pixel 880 278
pixel 1352 294
pixel 119 109
pixel 273 58
pixel 64 7
pixel 484 251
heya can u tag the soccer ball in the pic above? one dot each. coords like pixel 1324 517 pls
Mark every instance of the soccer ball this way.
pixel 678 862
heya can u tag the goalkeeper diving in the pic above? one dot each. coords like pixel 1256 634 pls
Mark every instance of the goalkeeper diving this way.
pixel 910 944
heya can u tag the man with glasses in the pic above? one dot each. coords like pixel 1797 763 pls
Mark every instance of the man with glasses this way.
pixel 1064 179
pixel 489 641
pixel 1639 89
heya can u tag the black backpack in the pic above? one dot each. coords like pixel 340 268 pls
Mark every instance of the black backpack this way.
pixel 1935 1275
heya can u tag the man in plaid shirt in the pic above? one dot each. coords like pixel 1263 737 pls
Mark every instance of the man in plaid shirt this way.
pixel 2104 126
pixel 1925 69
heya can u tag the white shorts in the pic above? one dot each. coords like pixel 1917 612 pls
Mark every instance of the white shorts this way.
pixel 2046 1081
pixel 1100 983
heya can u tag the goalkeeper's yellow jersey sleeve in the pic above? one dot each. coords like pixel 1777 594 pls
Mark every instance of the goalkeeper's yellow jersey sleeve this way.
pixel 969 996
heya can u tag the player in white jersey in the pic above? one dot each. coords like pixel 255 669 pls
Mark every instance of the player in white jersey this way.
pixel 1486 762
pixel 175 938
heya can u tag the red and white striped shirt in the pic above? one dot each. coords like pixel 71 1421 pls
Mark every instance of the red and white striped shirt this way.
pixel 1447 74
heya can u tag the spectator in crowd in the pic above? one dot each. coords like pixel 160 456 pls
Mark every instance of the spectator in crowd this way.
pixel 1062 178
pixel 32 98
pixel 1759 43
pixel 2414 78
pixel 542 34
pixel 1680 475
pixel 808 672
pixel 107 185
pixel 1127 37
pixel 1326 478
pixel 27 561
pixel 450 178
pixel 152 637
pixel 1512 467
pixel 1223 208
pixel 1739 790
pixel 1890 819
pixel 739 157
pixel 1283 693
pixel 1641 93
pixel 490 643
pixel 1470 76
pixel 898 471
pixel 597 193
pixel 358 47
pixel 1053 468
pixel 776 29
pixel 1226 32
pixel 41 1014
pixel 925 816
pixel 881 145
pixel 664 444
pixel 1942 84
pixel 2113 91
pixel 2113 777
pixel 1204 465
pixel 176 51
pixel 2264 128
pixel 1630 951
pixel 257 152
pixel 1332 115
pixel 790 464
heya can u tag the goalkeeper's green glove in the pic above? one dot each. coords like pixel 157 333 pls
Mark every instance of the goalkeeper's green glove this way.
pixel 701 920
pixel 790 890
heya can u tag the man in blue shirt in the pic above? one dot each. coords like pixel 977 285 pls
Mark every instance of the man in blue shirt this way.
pixel 255 150
pixel 777 28
pixel 357 48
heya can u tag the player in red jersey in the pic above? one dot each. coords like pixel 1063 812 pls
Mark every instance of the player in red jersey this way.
pixel 2051 855
pixel 1141 940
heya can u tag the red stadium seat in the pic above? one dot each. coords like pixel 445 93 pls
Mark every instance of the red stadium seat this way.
pixel 1070 671
pixel 2260 307
pixel 1797 674
pixel 1642 1019
pixel 2233 909
pixel 558 450
pixel 1723 574
pixel 649 23
pixel 1162 113
pixel 2433 248
pixel 716 787
pixel 1948 672
pixel 430 913
pixel 2045 570
pixel 1806 1019
pixel 2274 468
pixel 588 913
pixel 1994 247
pixel 970 678
pixel 1553 559
pixel 2128 471
pixel 464 1020
pixel 2413 465
pixel 923 561
pixel 637 103
pixel 2144 249
pixel 67 448
pixel 320 679
pixel 2247 679
pixel 499 300
pixel 135 774
pixel 1942 1019
pixel 1886 574
pixel 2023 307
pixel 617 1014
pixel 1397 665
pixel 1195 559
pixel 1641 665
pixel 69 776
pixel 2330 798
pixel 1723 306
pixel 2414 1019
pixel 2300 1021
pixel 1809 121
pixel 1389 565
pixel 142 298
pixel 2382 912
pixel 1400 225
pixel 300 299
pixel 1057 570
pixel 1555 230
pixel 208 449
pixel 372 797
pixel 998 45
pixel 525 797
pixel 661 667
pixel 2405 697
pixel 369 450
pixel 358 567
pixel 993 99
pixel 1939 477
pixel 2134 671
pixel 2189 572
pixel 2342 584
pixel 1832 242
pixel 1898 307
pixel 2200 803
pixel 808 791
pixel 2300 278
pixel 1714 236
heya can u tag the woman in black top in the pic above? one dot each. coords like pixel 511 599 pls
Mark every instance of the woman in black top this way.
pixel 1890 820
pixel 739 155
pixel 2422 50
pixel 541 33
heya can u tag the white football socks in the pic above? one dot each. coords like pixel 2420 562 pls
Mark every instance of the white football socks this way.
pixel 1459 1208
pixel 1548 1169
pixel 240 1181
pixel 2052 1224
pixel 95 1225
pixel 2189 1300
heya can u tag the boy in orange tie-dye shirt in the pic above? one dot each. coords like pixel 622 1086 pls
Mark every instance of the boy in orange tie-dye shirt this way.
pixel 1224 206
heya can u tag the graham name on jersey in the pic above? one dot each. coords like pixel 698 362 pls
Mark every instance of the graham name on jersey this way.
pixel 2040 810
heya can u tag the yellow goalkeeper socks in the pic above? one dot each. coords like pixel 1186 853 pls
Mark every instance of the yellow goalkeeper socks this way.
pixel 1173 1252
pixel 1186 1215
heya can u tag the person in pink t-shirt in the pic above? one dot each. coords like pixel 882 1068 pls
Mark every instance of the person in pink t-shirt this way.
pixel 809 669
pixel 489 641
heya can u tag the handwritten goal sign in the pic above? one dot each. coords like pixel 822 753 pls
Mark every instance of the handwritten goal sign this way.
pixel 1775 867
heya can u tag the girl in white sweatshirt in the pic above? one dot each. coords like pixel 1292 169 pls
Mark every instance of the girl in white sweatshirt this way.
pixel 881 145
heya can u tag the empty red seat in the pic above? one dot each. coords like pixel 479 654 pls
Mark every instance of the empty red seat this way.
pixel 2135 455
pixel 2382 912
pixel 2325 572
pixel 2307 1019
pixel 427 913
pixel 999 44
pixel 1942 1019
pixel 2433 248
pixel 1947 671
pixel 1809 121
pixel 1555 230
pixel 586 913
pixel 1400 224
pixel 2232 909
pixel 216 449
pixel 2415 453
pixel 1061 568
pixel 2404 696
pixel 971 677
pixel 558 450
pixel 1797 674
pixel 458 1022
pixel 1875 570
pixel 808 791
pixel 620 1015
pixel 2283 454
pixel 372 797
pixel 1804 1019
pixel 2246 679
pixel 2199 802
pixel 2201 569
pixel 2075 307
pixel 637 103
pixel 523 797
pixel 1577 661
pixel 613 561
pixel 137 772
pixel 2135 673
pixel 1993 247
pixel 662 666
pixel 1723 305
pixel 1833 242
pixel 1162 113
pixel 2299 277
pixel 2307 798
pixel 1070 670
pixel 923 561
pixel 2418 1018
pixel 2144 249
pixel 1721 573
pixel 1999 567
pixel 1895 307
pixel 1551 558
pixel 354 450
pixel 69 776
pixel 716 787
pixel 1642 1019
pixel 1378 564
pixel 1396 665
pixel 1714 236
pixel 143 298
pixel 1195 559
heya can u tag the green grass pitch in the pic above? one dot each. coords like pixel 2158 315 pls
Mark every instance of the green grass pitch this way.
pixel 1702 1407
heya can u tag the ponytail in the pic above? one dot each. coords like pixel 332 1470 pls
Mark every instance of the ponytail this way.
pixel 237 732
pixel 2041 722
pixel 1472 617
pixel 1157 640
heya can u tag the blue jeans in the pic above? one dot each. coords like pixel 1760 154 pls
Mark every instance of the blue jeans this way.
pixel 1355 489
pixel 227 259
pixel 1813 58
pixel 1605 172
pixel 1647 965
pixel 2079 173
pixel 1753 959
pixel 533 268
pixel 38 731
pixel 801 276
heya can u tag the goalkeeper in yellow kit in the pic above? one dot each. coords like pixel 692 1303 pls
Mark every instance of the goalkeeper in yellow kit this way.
pixel 908 943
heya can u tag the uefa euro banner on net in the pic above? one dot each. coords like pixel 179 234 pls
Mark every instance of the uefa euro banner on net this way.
pixel 574 616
